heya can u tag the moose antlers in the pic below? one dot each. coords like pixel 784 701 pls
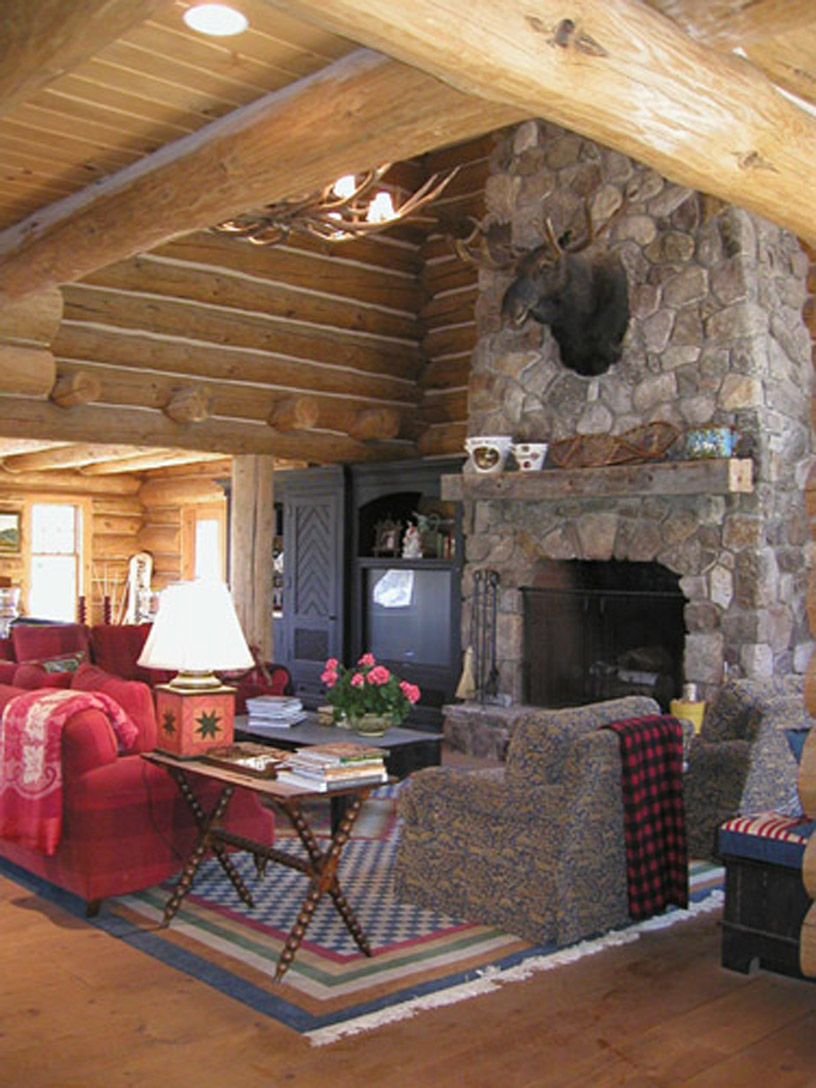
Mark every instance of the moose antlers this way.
pixel 584 300
pixel 486 248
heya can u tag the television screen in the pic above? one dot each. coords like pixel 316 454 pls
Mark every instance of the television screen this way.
pixel 408 615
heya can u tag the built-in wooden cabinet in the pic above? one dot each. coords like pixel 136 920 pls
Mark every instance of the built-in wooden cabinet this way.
pixel 348 588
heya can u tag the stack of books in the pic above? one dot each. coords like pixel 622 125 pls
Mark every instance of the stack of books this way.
pixel 273 712
pixel 323 767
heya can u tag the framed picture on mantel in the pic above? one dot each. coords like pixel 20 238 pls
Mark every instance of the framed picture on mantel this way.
pixel 9 532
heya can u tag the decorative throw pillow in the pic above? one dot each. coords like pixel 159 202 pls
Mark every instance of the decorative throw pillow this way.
pixel 32 675
pixel 64 663
pixel 796 740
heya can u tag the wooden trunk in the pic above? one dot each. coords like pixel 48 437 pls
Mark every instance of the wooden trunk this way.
pixel 765 905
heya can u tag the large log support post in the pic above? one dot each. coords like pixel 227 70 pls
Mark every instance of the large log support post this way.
pixel 252 528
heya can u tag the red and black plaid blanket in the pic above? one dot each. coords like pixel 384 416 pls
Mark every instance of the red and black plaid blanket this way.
pixel 653 816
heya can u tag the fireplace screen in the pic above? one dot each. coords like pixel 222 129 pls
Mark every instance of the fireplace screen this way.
pixel 598 630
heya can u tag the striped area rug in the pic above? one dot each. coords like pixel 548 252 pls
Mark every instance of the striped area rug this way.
pixel 421 959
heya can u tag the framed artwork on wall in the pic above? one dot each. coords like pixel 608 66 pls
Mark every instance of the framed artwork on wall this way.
pixel 9 532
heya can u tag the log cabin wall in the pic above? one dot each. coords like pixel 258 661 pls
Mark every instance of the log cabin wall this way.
pixel 167 496
pixel 314 351
pixel 129 513
pixel 116 517
pixel 254 329
pixel 449 293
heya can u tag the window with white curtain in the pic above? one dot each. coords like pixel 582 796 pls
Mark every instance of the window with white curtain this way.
pixel 56 560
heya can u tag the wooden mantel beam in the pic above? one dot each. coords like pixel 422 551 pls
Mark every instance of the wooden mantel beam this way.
pixel 41 40
pixel 360 110
pixel 616 72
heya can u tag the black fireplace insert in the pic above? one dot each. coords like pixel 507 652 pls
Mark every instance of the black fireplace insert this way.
pixel 597 630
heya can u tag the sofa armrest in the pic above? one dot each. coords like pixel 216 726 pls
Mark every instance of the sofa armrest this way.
pixel 134 697
pixel 713 787
pixel 719 767
pixel 88 741
pixel 7 671
pixel 442 797
pixel 443 793
pixel 591 884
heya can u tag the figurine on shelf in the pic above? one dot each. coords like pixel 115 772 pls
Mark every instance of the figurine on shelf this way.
pixel 412 543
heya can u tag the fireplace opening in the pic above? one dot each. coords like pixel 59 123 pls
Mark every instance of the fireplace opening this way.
pixel 599 630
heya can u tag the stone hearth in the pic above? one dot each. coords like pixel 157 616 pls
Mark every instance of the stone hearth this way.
pixel 716 337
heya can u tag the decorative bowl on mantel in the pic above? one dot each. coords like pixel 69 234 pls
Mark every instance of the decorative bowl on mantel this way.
pixel 488 452
pixel 530 455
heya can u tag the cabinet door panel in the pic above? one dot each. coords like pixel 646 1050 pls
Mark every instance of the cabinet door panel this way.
pixel 313 528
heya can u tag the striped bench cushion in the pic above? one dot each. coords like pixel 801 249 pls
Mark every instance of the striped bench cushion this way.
pixel 767 836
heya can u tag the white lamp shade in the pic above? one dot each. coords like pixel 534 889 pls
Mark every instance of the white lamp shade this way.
pixel 196 630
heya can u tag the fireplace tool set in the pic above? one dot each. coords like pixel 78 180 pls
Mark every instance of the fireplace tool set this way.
pixel 482 648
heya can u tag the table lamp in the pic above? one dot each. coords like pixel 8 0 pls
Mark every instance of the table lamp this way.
pixel 196 631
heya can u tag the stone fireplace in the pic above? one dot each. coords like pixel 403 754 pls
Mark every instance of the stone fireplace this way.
pixel 716 336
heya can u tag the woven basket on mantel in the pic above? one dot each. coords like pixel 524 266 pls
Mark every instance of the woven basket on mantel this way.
pixel 645 443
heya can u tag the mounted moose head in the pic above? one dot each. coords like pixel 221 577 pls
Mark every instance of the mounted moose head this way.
pixel 585 302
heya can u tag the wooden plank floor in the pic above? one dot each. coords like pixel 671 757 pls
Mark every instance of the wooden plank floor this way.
pixel 79 1009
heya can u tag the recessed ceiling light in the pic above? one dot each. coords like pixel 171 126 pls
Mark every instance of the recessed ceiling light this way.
pixel 216 19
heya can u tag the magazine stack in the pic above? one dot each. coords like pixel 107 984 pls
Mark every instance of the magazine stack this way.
pixel 273 712
pixel 323 767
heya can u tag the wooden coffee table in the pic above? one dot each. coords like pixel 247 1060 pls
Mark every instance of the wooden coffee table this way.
pixel 321 868
pixel 404 750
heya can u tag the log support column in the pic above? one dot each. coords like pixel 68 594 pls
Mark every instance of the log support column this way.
pixel 252 528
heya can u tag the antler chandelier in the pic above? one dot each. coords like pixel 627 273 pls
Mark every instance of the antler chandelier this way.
pixel 342 211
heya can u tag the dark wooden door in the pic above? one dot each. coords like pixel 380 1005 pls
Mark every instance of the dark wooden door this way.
pixel 313 563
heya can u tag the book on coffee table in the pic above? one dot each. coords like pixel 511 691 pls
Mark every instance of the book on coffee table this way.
pixel 327 766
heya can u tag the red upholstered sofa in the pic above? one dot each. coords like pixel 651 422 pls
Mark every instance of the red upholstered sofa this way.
pixel 125 824
pixel 49 651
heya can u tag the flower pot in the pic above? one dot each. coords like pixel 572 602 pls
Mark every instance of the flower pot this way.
pixel 371 725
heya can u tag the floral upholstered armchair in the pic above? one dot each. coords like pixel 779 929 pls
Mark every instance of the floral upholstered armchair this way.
pixel 535 847
pixel 741 761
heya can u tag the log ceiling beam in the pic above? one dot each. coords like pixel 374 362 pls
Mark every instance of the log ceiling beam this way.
pixel 149 459
pixel 616 72
pixel 23 418
pixel 366 107
pixel 41 40
pixel 725 24
pixel 65 457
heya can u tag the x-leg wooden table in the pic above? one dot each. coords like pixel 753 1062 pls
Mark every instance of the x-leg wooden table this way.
pixel 320 868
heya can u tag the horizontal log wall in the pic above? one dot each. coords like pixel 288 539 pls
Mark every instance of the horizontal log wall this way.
pixel 165 495
pixel 116 521
pixel 253 327
pixel 130 513
pixel 449 291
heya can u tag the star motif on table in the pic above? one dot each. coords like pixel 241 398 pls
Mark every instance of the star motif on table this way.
pixel 168 722
pixel 208 724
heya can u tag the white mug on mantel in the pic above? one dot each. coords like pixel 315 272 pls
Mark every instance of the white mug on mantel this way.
pixel 530 455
